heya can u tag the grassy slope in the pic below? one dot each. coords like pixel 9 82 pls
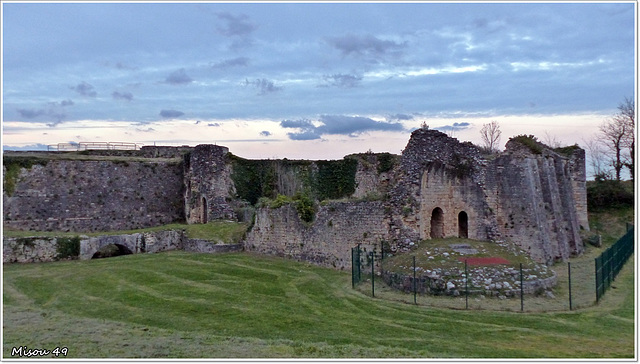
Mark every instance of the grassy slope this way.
pixel 179 304
pixel 226 231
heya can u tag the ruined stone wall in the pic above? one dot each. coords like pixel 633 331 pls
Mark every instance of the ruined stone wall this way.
pixel 208 185
pixel 437 171
pixel 535 198
pixel 460 202
pixel 327 241
pixel 536 208
pixel 94 195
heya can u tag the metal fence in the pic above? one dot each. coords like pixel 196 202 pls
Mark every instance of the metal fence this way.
pixel 60 147
pixel 610 262
pixel 577 283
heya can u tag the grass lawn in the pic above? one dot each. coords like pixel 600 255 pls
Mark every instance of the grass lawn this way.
pixel 239 305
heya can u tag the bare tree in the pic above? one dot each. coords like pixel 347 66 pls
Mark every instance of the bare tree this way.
pixel 490 134
pixel 626 115
pixel 551 140
pixel 617 134
pixel 596 156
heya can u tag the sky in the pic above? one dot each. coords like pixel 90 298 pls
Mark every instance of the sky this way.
pixel 310 80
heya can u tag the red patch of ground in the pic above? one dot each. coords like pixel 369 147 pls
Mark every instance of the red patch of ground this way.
pixel 484 260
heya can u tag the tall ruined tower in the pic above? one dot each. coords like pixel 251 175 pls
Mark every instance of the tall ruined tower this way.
pixel 530 194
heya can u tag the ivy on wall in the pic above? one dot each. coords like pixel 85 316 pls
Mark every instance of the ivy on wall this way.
pixel 12 167
pixel 319 180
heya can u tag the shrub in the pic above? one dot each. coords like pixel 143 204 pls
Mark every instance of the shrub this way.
pixel 306 208
pixel 605 193
pixel 68 247
pixel 530 142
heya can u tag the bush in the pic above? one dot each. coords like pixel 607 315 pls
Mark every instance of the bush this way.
pixel 306 208
pixel 68 247
pixel 605 193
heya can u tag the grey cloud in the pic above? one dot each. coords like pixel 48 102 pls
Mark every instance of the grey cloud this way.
pixel 171 113
pixel 400 117
pixel 305 135
pixel 233 62
pixel 265 133
pixel 178 77
pixel 214 124
pixel 236 25
pixel 301 123
pixel 125 96
pixel 66 102
pixel 37 146
pixel 454 127
pixel 342 80
pixel 264 86
pixel 85 89
pixel 337 124
pixel 31 113
pixel 364 45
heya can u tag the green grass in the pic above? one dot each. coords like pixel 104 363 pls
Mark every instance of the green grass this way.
pixel 178 304
pixel 229 232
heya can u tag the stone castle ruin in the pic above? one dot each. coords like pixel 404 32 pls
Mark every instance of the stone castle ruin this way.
pixel 529 195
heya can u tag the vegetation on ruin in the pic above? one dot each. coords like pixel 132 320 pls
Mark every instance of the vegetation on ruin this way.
pixel 305 206
pixel 568 150
pixel 319 180
pixel 13 165
pixel 528 141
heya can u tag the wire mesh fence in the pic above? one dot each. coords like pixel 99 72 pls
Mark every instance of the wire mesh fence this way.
pixel 565 286
pixel 610 262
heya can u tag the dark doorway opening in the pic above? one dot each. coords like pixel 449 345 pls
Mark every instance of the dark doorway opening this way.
pixel 204 210
pixel 437 223
pixel 463 225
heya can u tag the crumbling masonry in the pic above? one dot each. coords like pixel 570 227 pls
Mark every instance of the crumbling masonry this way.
pixel 529 195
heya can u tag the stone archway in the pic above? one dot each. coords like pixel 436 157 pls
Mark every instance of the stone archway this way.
pixel 437 223
pixel 204 210
pixel 463 225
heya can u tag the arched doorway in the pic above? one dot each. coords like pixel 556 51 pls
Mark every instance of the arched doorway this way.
pixel 437 223
pixel 204 210
pixel 463 225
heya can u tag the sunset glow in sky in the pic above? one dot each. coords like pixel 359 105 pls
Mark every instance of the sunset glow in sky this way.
pixel 310 80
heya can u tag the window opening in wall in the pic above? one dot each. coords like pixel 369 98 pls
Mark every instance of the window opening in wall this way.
pixel 204 210
pixel 463 225
pixel 437 223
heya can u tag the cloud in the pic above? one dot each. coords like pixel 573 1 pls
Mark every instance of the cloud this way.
pixel 52 110
pixel 233 62
pixel 31 113
pixel 342 80
pixel 364 45
pixel 337 124
pixel 399 117
pixel 37 146
pixel 178 77
pixel 235 25
pixel 85 89
pixel 265 133
pixel 171 114
pixel 124 96
pixel 454 127
pixel 264 86
pixel 214 124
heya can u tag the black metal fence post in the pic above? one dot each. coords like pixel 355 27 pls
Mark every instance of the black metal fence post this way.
pixel 415 284
pixel 570 302
pixel 466 286
pixel 521 290
pixel 373 291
